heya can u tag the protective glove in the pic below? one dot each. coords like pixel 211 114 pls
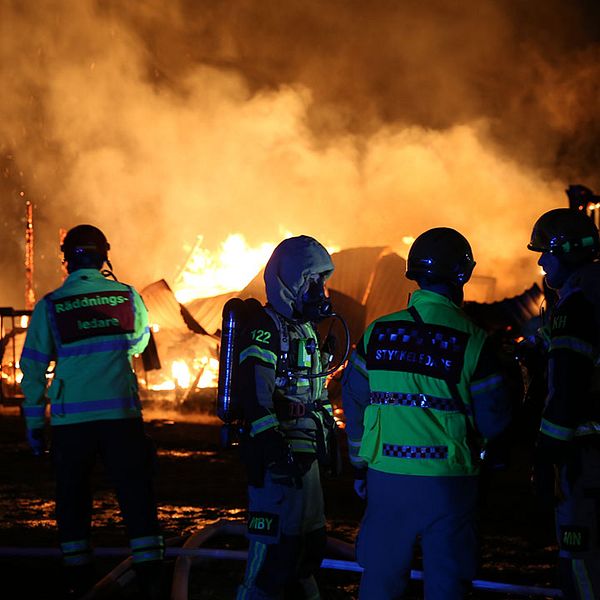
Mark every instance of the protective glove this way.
pixel 360 482
pixel 36 441
pixel 279 459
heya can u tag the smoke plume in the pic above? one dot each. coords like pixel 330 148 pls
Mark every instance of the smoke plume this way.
pixel 356 122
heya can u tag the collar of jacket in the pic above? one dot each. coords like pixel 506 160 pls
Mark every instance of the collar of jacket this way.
pixel 84 274
pixel 420 297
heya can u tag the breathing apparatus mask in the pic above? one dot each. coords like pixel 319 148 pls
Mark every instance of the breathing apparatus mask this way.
pixel 313 304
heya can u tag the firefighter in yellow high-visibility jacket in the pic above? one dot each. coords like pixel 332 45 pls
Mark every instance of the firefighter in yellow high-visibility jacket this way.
pixel 91 326
pixel 419 393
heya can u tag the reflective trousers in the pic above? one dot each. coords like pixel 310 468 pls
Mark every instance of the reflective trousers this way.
pixel 440 512
pixel 578 525
pixel 286 530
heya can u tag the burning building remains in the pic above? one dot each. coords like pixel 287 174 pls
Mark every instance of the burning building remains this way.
pixel 354 122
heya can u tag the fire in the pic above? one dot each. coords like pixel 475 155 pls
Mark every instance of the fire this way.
pixel 210 373
pixel 230 269
pixel 181 374
pixel 203 372
pixel 207 274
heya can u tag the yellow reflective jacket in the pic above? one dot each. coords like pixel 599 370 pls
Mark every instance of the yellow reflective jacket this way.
pixel 91 327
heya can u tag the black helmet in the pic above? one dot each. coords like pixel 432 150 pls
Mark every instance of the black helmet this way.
pixel 443 254
pixel 567 233
pixel 85 245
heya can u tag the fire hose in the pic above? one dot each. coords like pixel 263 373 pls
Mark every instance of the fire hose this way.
pixel 191 550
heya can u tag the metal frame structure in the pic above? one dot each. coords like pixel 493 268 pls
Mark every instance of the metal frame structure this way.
pixel 10 325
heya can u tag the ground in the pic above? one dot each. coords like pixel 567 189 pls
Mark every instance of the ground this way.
pixel 198 484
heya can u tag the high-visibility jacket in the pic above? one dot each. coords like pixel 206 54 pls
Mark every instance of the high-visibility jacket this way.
pixel 401 415
pixel 91 327
pixel 572 409
pixel 297 406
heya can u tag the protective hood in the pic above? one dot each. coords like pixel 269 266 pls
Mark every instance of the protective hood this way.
pixel 291 264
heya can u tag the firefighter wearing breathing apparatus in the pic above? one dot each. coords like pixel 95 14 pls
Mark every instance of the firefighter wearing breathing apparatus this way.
pixel 287 421
pixel 567 456
pixel 91 326
pixel 420 393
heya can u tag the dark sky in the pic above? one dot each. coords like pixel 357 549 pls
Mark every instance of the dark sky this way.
pixel 359 122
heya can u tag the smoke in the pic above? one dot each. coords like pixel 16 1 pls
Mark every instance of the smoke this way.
pixel 356 122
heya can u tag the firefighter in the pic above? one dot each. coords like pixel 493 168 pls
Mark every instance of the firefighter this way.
pixel 288 423
pixel 421 393
pixel 91 326
pixel 567 456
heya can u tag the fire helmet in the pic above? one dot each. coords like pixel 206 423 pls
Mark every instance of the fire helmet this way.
pixel 85 245
pixel 567 233
pixel 442 254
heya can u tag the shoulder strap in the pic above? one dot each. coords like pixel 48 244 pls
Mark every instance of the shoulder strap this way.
pixel 284 336
pixel 281 379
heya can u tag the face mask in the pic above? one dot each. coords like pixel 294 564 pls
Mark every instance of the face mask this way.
pixel 314 304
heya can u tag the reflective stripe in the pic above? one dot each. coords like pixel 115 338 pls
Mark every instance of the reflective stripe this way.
pixel 414 400
pixel 257 552
pixel 590 428
pixel 354 443
pixel 76 553
pixel 35 355
pixel 302 445
pixel 137 340
pixel 483 386
pixel 94 348
pixel 34 411
pixel 156 554
pixel 419 452
pixel 359 363
pixel 76 546
pixel 260 353
pixel 146 542
pixel 357 461
pixel 557 432
pixel 574 344
pixel 78 559
pixel 263 424
pixel 582 580
pixel 72 408
pixel 147 548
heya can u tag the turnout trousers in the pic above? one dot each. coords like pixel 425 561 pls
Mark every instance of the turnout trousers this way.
pixel 578 525
pixel 286 531
pixel 127 455
pixel 440 512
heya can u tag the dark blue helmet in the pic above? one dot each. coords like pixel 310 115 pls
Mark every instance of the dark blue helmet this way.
pixel 85 246
pixel 442 254
pixel 566 232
